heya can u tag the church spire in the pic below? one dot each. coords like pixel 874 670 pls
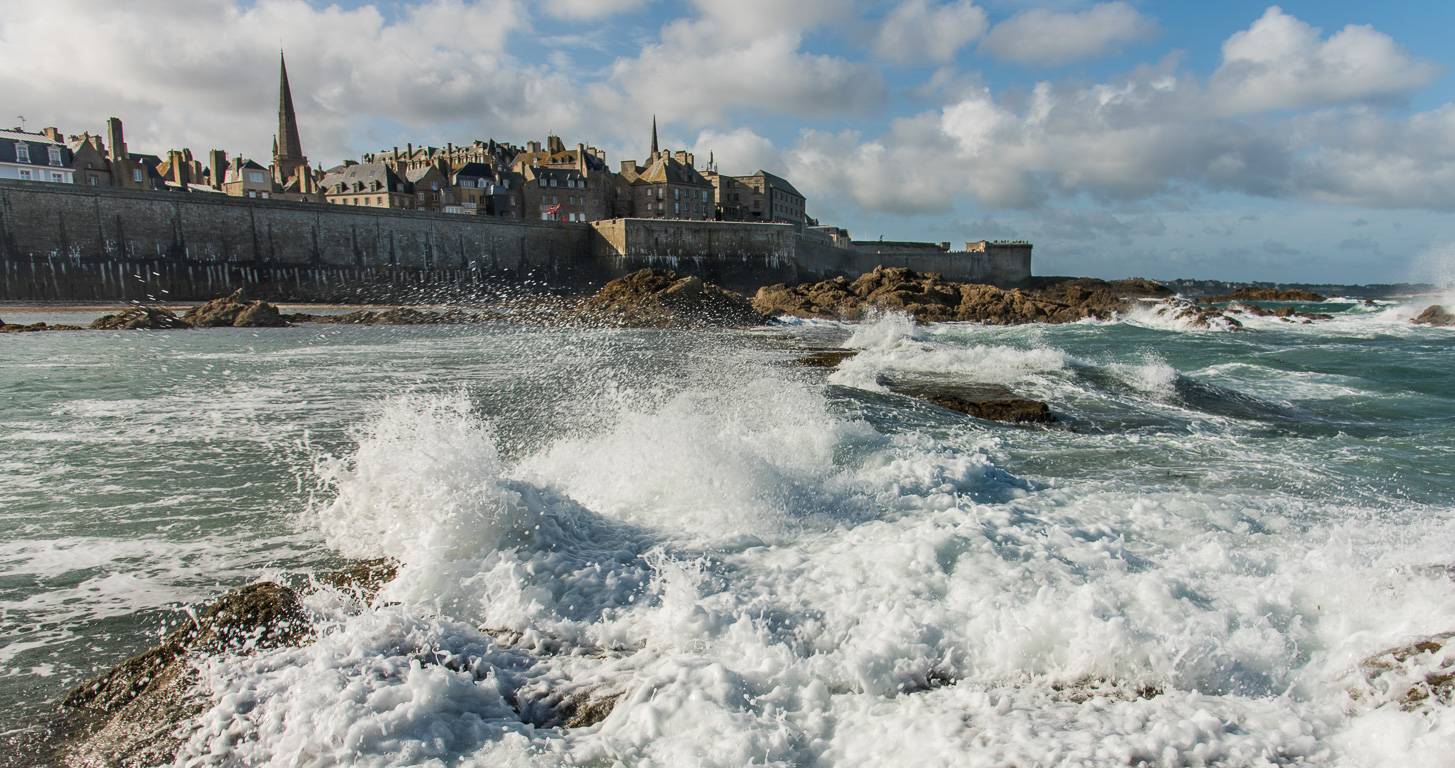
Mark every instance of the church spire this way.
pixel 288 147
pixel 654 136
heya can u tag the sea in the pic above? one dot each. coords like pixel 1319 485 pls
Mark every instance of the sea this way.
pixel 1227 552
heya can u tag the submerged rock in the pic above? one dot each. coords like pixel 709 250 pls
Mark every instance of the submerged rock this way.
pixel 930 298
pixel 981 401
pixel 235 311
pixel 142 704
pixel 1435 315
pixel 397 316
pixel 660 298
pixel 1413 675
pixel 140 318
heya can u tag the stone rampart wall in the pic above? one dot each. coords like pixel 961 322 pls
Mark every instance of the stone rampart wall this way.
pixel 71 242
pixel 87 243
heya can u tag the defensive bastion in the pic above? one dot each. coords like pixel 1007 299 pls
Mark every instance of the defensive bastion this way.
pixel 62 242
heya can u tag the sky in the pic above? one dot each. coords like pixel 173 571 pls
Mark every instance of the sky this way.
pixel 1310 141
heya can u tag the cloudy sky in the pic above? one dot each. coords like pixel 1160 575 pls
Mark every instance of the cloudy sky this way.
pixel 1309 141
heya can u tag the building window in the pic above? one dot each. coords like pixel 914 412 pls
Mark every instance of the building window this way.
pixel 55 154
pixel 381 201
pixel 56 177
pixel 24 175
pixel 136 175
pixel 92 180
pixel 22 152
pixel 256 177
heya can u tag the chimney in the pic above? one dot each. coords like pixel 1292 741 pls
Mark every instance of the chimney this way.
pixel 216 162
pixel 54 134
pixel 116 139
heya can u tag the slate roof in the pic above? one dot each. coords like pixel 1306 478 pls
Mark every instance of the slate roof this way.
pixel 365 173
pixel 778 182
pixel 40 145
pixel 667 170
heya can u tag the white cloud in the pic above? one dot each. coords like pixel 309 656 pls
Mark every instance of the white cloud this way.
pixel 1048 38
pixel 203 74
pixel 591 9
pixel 740 21
pixel 916 31
pixel 1282 63
pixel 739 152
pixel 705 70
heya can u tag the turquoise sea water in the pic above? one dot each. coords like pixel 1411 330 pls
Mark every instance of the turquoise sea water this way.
pixel 765 563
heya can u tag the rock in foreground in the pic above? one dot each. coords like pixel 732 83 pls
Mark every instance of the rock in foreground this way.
pixel 929 298
pixel 144 700
pixel 140 318
pixel 660 298
pixel 1435 315
pixel 234 311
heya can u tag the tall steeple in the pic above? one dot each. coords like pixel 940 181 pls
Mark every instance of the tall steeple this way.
pixel 288 145
pixel 654 137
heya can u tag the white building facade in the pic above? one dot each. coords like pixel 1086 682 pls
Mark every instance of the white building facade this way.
pixel 34 157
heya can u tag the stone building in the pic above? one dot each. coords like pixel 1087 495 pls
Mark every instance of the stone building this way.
pixel 761 197
pixel 562 184
pixel 668 186
pixel 368 184
pixel 35 157
pixel 248 178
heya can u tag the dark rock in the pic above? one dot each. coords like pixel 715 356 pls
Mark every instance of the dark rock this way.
pixel 1435 315
pixel 981 401
pixel 147 698
pixel 13 328
pixel 825 358
pixel 660 298
pixel 140 318
pixel 235 311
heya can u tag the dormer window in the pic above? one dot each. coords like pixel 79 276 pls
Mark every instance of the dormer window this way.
pixel 55 155
pixel 22 152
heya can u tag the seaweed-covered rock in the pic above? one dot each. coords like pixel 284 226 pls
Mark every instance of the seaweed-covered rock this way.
pixel 145 700
pixel 660 298
pixel 930 298
pixel 1249 293
pixel 32 327
pixel 140 318
pixel 1435 315
pixel 396 316
pixel 235 311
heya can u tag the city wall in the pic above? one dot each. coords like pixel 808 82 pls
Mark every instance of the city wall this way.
pixel 62 242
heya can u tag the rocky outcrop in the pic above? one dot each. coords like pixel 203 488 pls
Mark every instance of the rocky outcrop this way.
pixel 140 318
pixel 1248 293
pixel 142 702
pixel 929 298
pixel 981 401
pixel 16 328
pixel 660 298
pixel 235 311
pixel 1435 315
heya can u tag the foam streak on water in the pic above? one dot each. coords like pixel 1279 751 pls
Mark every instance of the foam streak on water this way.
pixel 759 563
